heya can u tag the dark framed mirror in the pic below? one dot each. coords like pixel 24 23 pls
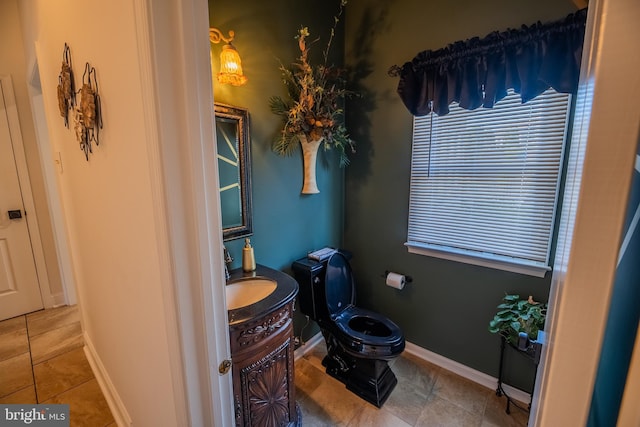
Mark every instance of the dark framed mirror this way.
pixel 234 170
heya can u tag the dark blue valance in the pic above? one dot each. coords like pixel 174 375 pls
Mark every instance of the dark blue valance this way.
pixel 477 72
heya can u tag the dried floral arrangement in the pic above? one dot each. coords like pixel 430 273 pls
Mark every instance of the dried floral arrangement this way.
pixel 313 109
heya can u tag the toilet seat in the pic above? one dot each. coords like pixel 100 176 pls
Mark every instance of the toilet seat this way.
pixel 339 285
pixel 364 341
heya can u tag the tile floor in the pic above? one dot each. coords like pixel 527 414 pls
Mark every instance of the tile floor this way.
pixel 42 361
pixel 426 395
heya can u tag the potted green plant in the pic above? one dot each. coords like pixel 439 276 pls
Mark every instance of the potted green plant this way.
pixel 312 112
pixel 517 315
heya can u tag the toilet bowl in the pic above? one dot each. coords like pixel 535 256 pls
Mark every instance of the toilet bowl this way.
pixel 359 342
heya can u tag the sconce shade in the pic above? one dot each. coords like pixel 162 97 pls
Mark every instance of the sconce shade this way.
pixel 231 67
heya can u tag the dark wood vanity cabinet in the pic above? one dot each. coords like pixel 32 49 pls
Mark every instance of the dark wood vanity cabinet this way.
pixel 263 380
pixel 263 370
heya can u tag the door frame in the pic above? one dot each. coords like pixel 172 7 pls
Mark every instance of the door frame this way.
pixel 48 300
pixel 174 51
pixel 602 156
pixel 175 71
pixel 49 166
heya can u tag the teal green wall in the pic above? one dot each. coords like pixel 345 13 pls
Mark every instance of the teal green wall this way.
pixel 622 321
pixel 448 306
pixel 286 224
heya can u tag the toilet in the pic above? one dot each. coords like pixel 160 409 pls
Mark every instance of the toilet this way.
pixel 359 342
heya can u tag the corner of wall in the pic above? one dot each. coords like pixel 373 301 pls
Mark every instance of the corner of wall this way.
pixel 118 410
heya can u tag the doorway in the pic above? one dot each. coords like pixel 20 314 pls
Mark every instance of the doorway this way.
pixel 19 285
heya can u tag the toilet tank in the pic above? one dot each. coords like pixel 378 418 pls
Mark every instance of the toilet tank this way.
pixel 311 297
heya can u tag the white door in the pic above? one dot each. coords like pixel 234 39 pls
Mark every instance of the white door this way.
pixel 19 288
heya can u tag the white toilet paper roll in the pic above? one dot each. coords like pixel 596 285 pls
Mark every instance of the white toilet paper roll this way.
pixel 395 280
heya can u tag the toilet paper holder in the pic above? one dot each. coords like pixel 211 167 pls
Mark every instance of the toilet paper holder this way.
pixel 407 279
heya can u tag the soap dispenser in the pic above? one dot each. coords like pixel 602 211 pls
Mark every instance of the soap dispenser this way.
pixel 248 258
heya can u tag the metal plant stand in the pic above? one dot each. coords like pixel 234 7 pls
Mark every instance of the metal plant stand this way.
pixel 530 350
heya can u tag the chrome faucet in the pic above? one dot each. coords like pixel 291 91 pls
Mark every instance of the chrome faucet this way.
pixel 227 261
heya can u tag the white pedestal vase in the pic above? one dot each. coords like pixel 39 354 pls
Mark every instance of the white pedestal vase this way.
pixel 309 156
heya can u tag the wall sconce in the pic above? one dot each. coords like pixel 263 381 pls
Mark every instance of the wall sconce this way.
pixel 230 63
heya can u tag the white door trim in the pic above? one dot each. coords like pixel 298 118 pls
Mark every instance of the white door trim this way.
pixel 173 47
pixel 629 409
pixel 172 40
pixel 602 156
pixel 52 191
pixel 48 300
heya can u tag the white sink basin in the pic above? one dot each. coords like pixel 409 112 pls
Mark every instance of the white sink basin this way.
pixel 247 292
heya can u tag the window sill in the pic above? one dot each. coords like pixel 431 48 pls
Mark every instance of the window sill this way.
pixel 482 259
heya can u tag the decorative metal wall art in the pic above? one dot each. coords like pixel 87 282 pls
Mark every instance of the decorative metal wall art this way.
pixel 88 117
pixel 66 87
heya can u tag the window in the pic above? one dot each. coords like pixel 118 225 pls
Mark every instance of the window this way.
pixel 484 183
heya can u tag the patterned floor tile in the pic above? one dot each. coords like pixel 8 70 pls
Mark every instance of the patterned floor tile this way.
pixel 13 324
pixel 370 416
pixel 439 412
pixel 13 343
pixel 464 393
pixel 16 374
pixel 87 405
pixel 57 341
pixel 495 414
pixel 61 373
pixel 43 321
pixel 26 395
pixel 426 395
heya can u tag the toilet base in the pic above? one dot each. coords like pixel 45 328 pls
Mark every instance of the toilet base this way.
pixel 371 379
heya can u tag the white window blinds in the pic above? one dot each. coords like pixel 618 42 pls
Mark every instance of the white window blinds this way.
pixel 484 183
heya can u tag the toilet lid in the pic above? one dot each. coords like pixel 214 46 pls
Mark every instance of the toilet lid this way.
pixel 339 287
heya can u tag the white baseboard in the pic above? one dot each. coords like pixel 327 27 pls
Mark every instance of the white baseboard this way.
pixel 441 361
pixel 58 299
pixel 116 405
pixel 308 346
pixel 50 300
pixel 465 371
